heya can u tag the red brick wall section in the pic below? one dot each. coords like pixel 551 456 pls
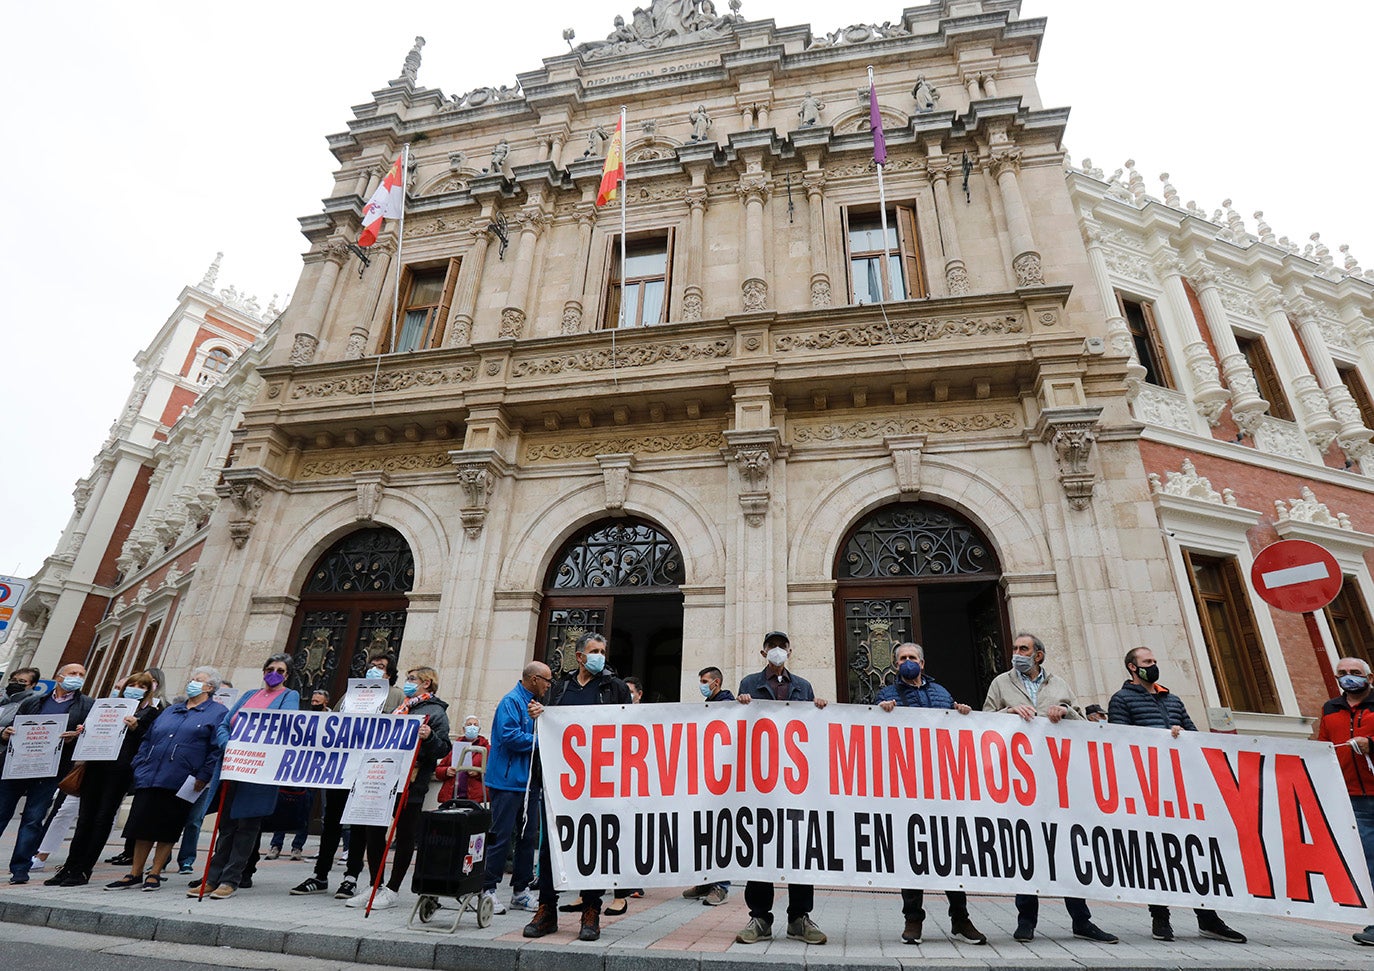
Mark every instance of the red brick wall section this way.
pixel 83 634
pixel 177 400
pixel 1225 430
pixel 1257 488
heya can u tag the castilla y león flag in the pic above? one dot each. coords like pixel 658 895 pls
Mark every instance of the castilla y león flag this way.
pixel 386 203
pixel 614 172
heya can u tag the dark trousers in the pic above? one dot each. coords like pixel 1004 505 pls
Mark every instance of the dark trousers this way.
pixel 507 820
pixel 1205 918
pixel 331 831
pixel 235 849
pixel 801 897
pixel 37 795
pixel 1028 909
pixel 912 900
pixel 293 816
pixel 547 895
pixel 102 790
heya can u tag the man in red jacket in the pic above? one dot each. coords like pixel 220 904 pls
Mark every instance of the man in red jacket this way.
pixel 1348 723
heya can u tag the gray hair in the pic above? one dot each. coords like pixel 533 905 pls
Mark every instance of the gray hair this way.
pixel 587 638
pixel 1036 642
pixel 1363 662
pixel 919 649
pixel 210 677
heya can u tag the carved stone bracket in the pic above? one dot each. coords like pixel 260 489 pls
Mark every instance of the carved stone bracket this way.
pixel 615 473
pixel 906 461
pixel 512 322
pixel 478 471
pixel 755 295
pixel 752 453
pixel 303 348
pixel 1072 432
pixel 371 484
pixel 246 489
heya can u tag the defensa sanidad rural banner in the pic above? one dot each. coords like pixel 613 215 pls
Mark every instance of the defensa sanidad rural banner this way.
pixel 851 796
pixel 313 750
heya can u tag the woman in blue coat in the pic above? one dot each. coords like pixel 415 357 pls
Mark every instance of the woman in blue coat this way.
pixel 247 804
pixel 182 743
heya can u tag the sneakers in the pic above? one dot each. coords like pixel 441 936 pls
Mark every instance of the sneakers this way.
pixel 1161 929
pixel 272 853
pixel 715 897
pixel 805 929
pixel 37 864
pixel 1217 929
pixel 962 928
pixel 697 892
pixel 1091 932
pixel 312 885
pixel 223 892
pixel 545 921
pixel 347 889
pixel 120 859
pixel 386 899
pixel 591 924
pixel 911 933
pixel 186 869
pixel 754 931
pixel 1365 936
pixel 524 900
pixel 297 855
pixel 359 897
pixel 1025 932
pixel 195 890
pixel 496 906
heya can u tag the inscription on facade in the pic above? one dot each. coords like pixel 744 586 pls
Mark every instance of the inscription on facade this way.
pixel 651 72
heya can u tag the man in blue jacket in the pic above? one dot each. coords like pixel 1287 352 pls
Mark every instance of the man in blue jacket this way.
pixel 776 683
pixel 508 775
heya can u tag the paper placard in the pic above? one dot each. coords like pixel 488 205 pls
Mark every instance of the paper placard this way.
pixel 372 798
pixel 365 696
pixel 35 749
pixel 105 729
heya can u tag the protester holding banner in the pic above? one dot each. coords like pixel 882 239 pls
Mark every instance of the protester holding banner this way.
pixel 711 894
pixel 103 788
pixel 915 689
pixel 247 804
pixel 421 698
pixel 591 684
pixel 1029 691
pixel 66 701
pixel 180 751
pixel 1145 703
pixel 1347 722
pixel 776 683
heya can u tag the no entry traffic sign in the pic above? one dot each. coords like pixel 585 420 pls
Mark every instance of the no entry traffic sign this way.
pixel 1296 575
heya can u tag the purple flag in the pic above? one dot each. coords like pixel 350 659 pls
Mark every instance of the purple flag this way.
pixel 875 121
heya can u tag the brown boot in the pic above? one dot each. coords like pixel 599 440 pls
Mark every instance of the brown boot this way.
pixel 544 921
pixel 591 924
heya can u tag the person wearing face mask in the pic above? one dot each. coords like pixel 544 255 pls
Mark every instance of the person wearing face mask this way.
pixel 712 689
pixel 1347 722
pixel 18 690
pixel 776 683
pixel 190 835
pixel 457 782
pixel 1145 703
pixel 593 683
pixel 66 701
pixel 247 804
pixel 181 743
pixel 103 788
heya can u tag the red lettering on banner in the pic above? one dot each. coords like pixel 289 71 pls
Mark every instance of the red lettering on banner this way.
pixel 901 762
pixel 958 773
pixel 601 759
pixel 716 785
pixel 796 778
pixel 1059 758
pixel 996 772
pixel 1180 790
pixel 634 750
pixel 847 762
pixel 692 787
pixel 1109 800
pixel 1301 813
pixel 741 752
pixel 1243 793
pixel 573 781
pixel 764 767
pixel 666 757
pixel 1149 780
pixel 1024 787
pixel 927 765
pixel 877 736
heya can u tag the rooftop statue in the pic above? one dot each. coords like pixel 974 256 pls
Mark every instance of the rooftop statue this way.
pixel 664 23
pixel 810 112
pixel 412 64
pixel 858 34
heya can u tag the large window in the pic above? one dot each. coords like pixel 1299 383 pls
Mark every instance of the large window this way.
pixel 426 293
pixel 1350 623
pixel 1149 348
pixel 871 279
pixel 1239 667
pixel 1350 377
pixel 1266 377
pixel 645 297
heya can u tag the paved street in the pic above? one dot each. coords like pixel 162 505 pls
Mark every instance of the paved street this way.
pixel 676 934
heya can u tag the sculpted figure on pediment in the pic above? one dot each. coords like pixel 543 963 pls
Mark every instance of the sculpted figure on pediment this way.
pixel 663 22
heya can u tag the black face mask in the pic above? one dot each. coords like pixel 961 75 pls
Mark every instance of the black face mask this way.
pixel 14 687
pixel 317 707
pixel 1148 673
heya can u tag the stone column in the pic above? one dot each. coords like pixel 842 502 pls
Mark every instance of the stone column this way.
pixel 1004 165
pixel 382 252
pixel 532 221
pixel 574 308
pixel 305 339
pixel 753 189
pixel 956 274
pixel 556 150
pixel 1352 435
pixel 692 303
pixel 360 186
pixel 1247 407
pixel 971 82
pixel 1209 397
pixel 1314 411
pixel 989 85
pixel 1119 338
pixel 459 328
pixel 814 183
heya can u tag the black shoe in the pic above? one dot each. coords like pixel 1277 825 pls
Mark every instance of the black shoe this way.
pixel 1025 932
pixel 347 889
pixel 1091 932
pixel 58 879
pixel 312 885
pixel 245 883
pixel 1365 936
pixel 591 924
pixel 962 928
pixel 120 859
pixel 576 907
pixel 1217 930
pixel 544 921
pixel 1161 929
pixel 911 933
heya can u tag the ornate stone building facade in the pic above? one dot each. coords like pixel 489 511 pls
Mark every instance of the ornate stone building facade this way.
pixel 765 443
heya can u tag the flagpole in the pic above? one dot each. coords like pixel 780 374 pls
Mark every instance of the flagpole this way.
pixel 885 275
pixel 400 239
pixel 624 193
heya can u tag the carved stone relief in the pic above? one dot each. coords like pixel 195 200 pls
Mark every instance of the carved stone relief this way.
pixel 904 331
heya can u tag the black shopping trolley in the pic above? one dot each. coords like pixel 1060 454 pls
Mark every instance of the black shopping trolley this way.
pixel 450 859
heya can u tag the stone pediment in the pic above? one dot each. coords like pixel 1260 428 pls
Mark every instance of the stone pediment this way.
pixel 665 24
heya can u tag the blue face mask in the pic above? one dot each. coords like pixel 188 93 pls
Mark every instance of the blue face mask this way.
pixel 194 689
pixel 374 673
pixel 470 732
pixel 135 694
pixel 909 670
pixel 411 689
pixel 72 683
pixel 1353 683
pixel 596 663
pixel 706 691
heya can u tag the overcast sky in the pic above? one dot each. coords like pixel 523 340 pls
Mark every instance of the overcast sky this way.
pixel 144 136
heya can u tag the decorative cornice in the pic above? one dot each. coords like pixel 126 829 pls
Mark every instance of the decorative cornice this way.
pixel 640 355
pixel 387 381
pixel 889 428
pixel 912 330
pixel 647 444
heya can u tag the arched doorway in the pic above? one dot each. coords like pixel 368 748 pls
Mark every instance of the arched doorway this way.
pixel 920 572
pixel 352 603
pixel 620 578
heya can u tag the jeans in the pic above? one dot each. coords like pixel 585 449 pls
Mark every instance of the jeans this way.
pixel 235 849
pixel 1364 825
pixel 801 897
pixel 37 795
pixel 295 807
pixel 1028 909
pixel 913 899
pixel 507 816
pixel 547 895
pixel 190 836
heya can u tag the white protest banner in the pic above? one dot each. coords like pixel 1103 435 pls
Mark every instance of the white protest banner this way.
pixel 365 696
pixel 35 749
pixel 104 730
pixel 312 749
pixel 372 797
pixel 676 795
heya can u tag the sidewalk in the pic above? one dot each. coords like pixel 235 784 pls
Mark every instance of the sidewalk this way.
pixel 662 928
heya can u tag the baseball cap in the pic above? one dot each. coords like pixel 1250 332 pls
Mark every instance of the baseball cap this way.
pixel 773 635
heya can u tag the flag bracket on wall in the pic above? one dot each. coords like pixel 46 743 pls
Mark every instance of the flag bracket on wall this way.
pixel 499 230
pixel 361 254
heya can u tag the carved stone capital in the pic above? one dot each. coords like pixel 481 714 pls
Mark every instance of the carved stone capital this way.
pixel 1072 433
pixel 752 454
pixel 692 303
pixel 1007 160
pixel 1028 270
pixel 1203 277
pixel 335 250
pixel 695 196
pixel 1302 309
pixel 956 278
pixel 753 187
pixel 572 317
pixel 303 347
pixel 813 183
pixel 905 451
pixel 357 344
pixel 1167 264
pixel 478 470
pixel 754 294
pixel 1209 397
pixel 820 290
pixel 533 220
pixel 615 475
pixel 512 322
pixel 370 483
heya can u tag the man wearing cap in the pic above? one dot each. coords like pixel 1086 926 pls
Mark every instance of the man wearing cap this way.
pixel 776 683
pixel 1095 713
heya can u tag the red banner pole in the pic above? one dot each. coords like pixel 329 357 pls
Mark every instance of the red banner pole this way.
pixel 395 821
pixel 214 836
pixel 1323 659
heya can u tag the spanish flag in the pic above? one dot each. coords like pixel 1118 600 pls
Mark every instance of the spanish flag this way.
pixel 614 172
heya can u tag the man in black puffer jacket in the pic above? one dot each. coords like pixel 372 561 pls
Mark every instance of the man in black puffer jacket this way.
pixel 1145 703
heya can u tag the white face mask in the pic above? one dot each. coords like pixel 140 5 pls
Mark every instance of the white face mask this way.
pixel 777 656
